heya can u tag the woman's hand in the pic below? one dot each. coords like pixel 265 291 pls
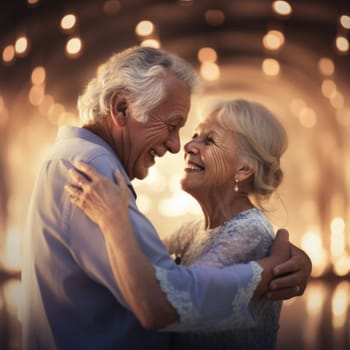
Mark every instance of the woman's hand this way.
pixel 102 200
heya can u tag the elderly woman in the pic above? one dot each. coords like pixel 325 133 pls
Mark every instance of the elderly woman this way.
pixel 232 166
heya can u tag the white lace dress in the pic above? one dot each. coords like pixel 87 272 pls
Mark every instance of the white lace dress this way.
pixel 246 237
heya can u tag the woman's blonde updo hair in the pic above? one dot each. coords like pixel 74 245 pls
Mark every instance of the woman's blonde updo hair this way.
pixel 261 141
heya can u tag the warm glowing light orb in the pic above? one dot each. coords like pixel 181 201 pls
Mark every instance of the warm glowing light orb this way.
pixel 210 71
pixel 74 47
pixel 282 8
pixel 68 21
pixel 345 21
pixel 8 54
pixel 273 40
pixel 207 54
pixel 21 45
pixel 270 67
pixel 144 28
pixel 326 66
pixel 342 44
pixel 38 75
pixel 151 43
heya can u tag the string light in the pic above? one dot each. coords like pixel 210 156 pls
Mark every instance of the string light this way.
pixel 282 8
pixel 68 21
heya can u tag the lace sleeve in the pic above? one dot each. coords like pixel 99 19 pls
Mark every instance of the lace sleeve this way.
pixel 178 242
pixel 241 240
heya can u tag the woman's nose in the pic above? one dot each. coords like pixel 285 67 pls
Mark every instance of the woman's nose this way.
pixel 190 147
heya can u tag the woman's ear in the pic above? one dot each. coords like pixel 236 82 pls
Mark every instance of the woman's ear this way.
pixel 244 172
pixel 118 108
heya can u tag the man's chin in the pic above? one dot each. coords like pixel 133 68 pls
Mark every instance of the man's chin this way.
pixel 142 174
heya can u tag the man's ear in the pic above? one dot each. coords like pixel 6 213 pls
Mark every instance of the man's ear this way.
pixel 118 108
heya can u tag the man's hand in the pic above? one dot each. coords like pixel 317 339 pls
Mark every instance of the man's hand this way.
pixel 291 277
pixel 280 253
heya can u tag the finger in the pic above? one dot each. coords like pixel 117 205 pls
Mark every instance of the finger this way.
pixel 72 190
pixel 88 170
pixel 286 267
pixel 281 247
pixel 288 281
pixel 78 178
pixel 283 294
pixel 282 234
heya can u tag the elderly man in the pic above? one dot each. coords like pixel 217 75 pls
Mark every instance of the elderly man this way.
pixel 131 113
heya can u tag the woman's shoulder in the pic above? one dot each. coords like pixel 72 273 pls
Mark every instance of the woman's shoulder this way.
pixel 252 221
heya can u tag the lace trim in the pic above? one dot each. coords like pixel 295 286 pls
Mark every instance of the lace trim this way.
pixel 180 300
pixel 244 295
pixel 189 314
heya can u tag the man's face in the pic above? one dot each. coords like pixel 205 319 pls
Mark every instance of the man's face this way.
pixel 143 141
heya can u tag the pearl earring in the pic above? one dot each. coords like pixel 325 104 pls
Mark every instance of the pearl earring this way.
pixel 236 188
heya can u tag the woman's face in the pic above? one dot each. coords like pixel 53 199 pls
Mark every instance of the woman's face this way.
pixel 211 159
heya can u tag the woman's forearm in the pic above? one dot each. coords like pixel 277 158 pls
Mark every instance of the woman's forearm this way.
pixel 135 276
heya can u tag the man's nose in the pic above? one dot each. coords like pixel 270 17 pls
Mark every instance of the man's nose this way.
pixel 173 143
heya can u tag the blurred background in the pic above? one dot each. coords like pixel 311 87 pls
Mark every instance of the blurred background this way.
pixel 292 56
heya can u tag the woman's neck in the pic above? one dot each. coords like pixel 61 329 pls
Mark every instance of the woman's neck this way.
pixel 217 212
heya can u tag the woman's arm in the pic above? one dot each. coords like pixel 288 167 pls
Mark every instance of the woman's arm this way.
pixel 101 200
pixel 106 204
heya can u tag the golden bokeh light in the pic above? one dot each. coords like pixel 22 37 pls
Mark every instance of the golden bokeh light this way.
pixel 45 105
pixel 36 95
pixel 210 71
pixel 21 46
pixel 282 8
pixel 74 47
pixel 337 100
pixel 68 21
pixel 329 88
pixel 340 304
pixel 345 21
pixel 8 53
pixel 207 54
pixel 326 66
pixel 342 44
pixel 307 117
pixel 144 28
pixel 312 243
pixel 273 40
pixel 151 43
pixel 337 237
pixel 270 67
pixel 38 75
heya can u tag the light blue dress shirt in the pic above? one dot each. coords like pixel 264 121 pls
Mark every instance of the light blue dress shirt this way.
pixel 70 298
